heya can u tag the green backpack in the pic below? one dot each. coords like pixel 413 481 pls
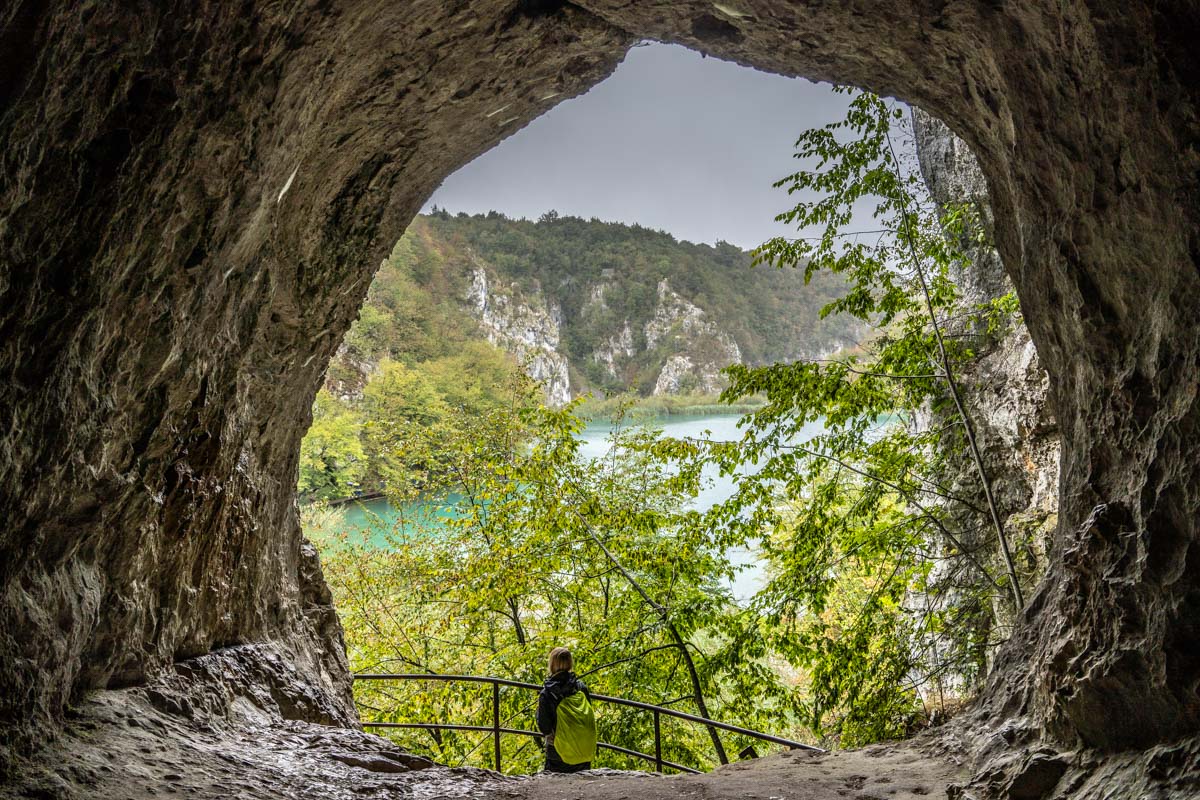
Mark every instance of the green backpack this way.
pixel 575 734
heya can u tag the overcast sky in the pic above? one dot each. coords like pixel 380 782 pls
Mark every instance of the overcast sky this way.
pixel 672 141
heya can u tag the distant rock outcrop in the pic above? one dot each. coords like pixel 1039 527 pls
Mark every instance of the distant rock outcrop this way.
pixel 527 326
pixel 618 348
pixel 701 348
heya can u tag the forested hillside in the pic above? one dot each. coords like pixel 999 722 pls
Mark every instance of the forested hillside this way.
pixel 586 305
pixel 464 303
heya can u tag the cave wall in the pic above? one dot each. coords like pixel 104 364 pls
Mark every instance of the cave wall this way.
pixel 1004 385
pixel 193 196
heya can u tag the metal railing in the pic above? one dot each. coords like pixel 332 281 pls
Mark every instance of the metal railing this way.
pixel 497 730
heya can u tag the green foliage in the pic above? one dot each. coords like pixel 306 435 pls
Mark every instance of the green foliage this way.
pixel 413 310
pixel 400 404
pixel 368 445
pixel 852 520
pixel 1001 313
pixel 545 547
pixel 332 459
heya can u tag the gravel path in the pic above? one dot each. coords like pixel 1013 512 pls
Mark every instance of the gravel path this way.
pixel 881 772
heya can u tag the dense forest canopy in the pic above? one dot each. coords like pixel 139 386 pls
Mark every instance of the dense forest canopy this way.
pixel 595 279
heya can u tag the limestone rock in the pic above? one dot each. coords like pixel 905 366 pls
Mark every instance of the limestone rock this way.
pixel 526 326
pixel 699 348
pixel 676 317
pixel 236 723
pixel 390 761
pixel 619 348
pixel 674 372
pixel 350 390
pixel 1037 777
pixel 954 176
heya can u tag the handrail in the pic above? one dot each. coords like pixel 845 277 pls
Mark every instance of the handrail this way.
pixel 497 730
pixel 446 726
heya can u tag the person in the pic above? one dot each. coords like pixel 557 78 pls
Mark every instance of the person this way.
pixel 565 716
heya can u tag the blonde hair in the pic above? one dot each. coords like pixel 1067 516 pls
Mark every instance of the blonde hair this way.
pixel 560 660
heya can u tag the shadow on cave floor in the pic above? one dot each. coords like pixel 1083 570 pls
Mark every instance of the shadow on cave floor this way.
pixel 238 724
pixel 122 746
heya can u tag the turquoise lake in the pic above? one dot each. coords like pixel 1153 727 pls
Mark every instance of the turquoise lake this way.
pixel 375 517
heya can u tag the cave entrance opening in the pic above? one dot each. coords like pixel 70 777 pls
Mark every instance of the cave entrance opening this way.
pixel 602 251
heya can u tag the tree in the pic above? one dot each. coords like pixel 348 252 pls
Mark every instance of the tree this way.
pixel 332 459
pixel 871 569
pixel 479 378
pixel 538 546
pixel 401 405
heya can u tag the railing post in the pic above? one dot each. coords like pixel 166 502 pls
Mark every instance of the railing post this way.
pixel 658 765
pixel 496 722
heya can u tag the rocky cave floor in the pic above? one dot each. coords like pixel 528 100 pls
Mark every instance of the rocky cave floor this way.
pixel 120 746
pixel 242 723
pixel 882 772
pixel 237 724
pixel 129 745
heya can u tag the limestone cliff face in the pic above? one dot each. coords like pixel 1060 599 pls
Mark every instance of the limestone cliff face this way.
pixel 685 347
pixel 626 299
pixel 526 326
pixel 700 348
pixel 679 374
pixel 1005 386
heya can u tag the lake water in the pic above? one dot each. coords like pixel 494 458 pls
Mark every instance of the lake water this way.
pixel 376 517
pixel 718 488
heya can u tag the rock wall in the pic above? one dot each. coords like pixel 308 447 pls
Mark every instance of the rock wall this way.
pixel 193 197
pixel 1007 393
pixel 1007 388
pixel 526 326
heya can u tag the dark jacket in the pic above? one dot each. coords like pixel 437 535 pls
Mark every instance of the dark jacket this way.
pixel 557 687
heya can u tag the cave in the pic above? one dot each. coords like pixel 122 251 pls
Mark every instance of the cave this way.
pixel 190 191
